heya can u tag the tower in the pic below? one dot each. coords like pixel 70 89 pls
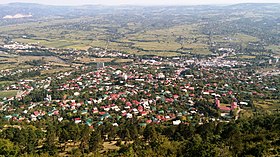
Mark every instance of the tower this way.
pixel 233 105
pixel 100 65
pixel 218 103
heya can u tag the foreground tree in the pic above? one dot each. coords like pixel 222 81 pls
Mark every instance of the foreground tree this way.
pixel 50 143
pixel 95 141
pixel 8 149
pixel 85 135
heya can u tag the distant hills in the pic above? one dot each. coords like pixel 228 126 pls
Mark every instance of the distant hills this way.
pixel 253 6
pixel 39 10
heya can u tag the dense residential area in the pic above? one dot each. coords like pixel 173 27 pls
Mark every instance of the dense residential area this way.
pixel 98 84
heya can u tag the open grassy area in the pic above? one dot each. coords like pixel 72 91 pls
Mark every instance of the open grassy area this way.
pixel 103 59
pixel 246 113
pixel 123 60
pixel 274 48
pixel 7 66
pixel 161 46
pixel 247 57
pixel 245 38
pixel 8 93
pixel 52 71
pixel 21 59
pixel 6 82
pixel 267 105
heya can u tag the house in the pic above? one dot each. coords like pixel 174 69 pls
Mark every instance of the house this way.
pixel 243 103
pixel 77 120
pixel 176 122
pixel 129 115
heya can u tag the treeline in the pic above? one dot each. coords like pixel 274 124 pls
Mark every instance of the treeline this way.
pixel 22 75
pixel 257 136
pixel 36 62
pixel 38 53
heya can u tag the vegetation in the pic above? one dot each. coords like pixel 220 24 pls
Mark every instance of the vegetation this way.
pixel 134 81
pixel 255 136
pixel 8 93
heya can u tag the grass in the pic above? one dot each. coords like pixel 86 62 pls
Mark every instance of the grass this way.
pixel 123 60
pixel 245 38
pixel 223 39
pixel 267 105
pixel 224 105
pixel 247 57
pixel 103 59
pixel 246 113
pixel 110 146
pixel 96 60
pixel 274 48
pixel 7 66
pixel 8 93
pixel 162 46
pixel 162 54
pixel 61 64
pixel 57 43
pixel 22 59
pixel 5 82
pixel 52 71
pixel 201 51
pixel 236 38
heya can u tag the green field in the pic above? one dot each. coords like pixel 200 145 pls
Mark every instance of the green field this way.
pixel 274 48
pixel 8 93
pixel 57 70
pixel 247 57
pixel 245 38
pixel 132 38
pixel 163 42
pixel 267 105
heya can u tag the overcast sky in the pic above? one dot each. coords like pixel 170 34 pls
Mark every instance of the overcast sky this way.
pixel 139 2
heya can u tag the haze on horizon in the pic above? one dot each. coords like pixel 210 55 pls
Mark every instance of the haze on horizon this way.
pixel 137 2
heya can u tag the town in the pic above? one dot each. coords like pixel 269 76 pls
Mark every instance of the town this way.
pixel 152 90
pixel 139 81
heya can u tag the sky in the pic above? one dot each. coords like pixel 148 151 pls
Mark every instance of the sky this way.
pixel 138 2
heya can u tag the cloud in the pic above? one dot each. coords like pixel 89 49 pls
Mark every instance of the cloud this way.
pixel 17 16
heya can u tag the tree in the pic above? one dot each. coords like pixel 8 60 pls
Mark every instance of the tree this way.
pixel 63 137
pixel 133 132
pixel 74 132
pixel 32 140
pixel 20 138
pixel 7 148
pixel 150 133
pixel 85 135
pixel 95 141
pixel 232 134
pixel 197 147
pixel 50 143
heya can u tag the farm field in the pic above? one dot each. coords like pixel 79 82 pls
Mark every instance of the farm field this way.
pixel 156 42
pixel 170 41
pixel 17 61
